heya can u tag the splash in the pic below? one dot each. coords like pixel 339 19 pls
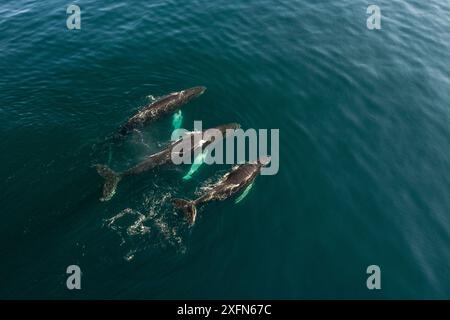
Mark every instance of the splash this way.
pixel 151 98
pixel 130 255
pixel 150 227
pixel 138 227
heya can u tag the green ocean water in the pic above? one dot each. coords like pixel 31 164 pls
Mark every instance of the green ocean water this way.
pixel 364 149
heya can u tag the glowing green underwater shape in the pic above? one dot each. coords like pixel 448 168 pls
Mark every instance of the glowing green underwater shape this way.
pixel 198 161
pixel 177 120
pixel 244 194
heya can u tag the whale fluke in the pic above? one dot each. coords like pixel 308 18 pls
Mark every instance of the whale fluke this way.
pixel 111 180
pixel 188 207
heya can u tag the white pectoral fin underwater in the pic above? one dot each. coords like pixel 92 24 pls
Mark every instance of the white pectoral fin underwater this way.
pixel 198 161
pixel 177 120
pixel 244 193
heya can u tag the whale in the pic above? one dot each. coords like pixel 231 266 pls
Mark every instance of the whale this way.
pixel 157 109
pixel 189 143
pixel 238 179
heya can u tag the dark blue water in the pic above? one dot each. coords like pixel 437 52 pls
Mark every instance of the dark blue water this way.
pixel 364 149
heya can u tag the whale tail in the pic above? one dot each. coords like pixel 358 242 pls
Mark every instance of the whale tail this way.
pixel 111 180
pixel 188 207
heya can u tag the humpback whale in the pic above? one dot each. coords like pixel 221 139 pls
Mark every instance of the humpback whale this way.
pixel 162 157
pixel 160 107
pixel 239 178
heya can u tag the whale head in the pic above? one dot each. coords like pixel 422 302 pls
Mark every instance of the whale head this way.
pixel 264 161
pixel 220 132
pixel 228 129
pixel 194 92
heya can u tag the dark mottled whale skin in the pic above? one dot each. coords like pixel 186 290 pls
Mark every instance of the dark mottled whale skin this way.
pixel 160 158
pixel 236 180
pixel 155 110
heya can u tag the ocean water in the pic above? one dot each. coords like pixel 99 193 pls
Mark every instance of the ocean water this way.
pixel 364 149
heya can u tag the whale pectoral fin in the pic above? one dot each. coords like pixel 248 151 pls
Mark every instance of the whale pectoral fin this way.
pixel 198 161
pixel 177 120
pixel 244 193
